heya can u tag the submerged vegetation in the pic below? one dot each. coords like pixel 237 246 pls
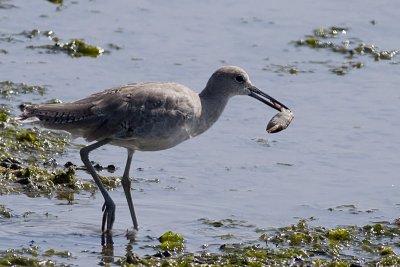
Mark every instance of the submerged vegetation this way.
pixel 171 241
pixel 336 40
pixel 32 256
pixel 24 151
pixel 296 245
pixel 57 2
pixel 324 38
pixel 27 154
pixel 76 47
pixel 8 88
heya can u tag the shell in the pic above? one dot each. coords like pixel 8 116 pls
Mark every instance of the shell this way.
pixel 280 121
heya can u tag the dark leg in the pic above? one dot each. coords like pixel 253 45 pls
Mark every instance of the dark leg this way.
pixel 126 184
pixel 109 206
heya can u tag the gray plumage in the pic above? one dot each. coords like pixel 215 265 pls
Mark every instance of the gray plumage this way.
pixel 145 117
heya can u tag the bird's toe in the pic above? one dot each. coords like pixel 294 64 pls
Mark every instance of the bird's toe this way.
pixel 108 216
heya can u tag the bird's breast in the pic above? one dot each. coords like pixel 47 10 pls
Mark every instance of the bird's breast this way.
pixel 151 142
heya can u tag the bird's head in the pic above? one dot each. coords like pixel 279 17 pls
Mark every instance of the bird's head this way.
pixel 232 80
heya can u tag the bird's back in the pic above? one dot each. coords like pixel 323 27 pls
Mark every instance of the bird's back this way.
pixel 144 116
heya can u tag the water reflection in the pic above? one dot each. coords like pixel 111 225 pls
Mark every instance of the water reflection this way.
pixel 107 252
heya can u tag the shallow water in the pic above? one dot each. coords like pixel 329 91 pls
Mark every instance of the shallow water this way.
pixel 341 149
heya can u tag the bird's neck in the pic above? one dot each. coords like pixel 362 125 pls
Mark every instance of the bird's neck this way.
pixel 212 107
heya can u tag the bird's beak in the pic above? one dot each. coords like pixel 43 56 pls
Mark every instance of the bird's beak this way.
pixel 266 99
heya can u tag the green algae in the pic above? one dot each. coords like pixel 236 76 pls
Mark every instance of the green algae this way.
pixel 27 154
pixel 75 48
pixel 23 148
pixel 33 257
pixel 31 143
pixel 386 251
pixel 26 136
pixel 346 67
pixel 65 177
pixel 296 245
pixel 330 32
pixel 339 235
pixel 8 88
pixel 110 182
pixel 285 69
pixel 391 260
pixel 57 2
pixel 23 152
pixel 79 48
pixel 36 181
pixel 52 252
pixel 369 49
pixel 171 241
pixel 5 213
pixel 349 46
pixel 4 114
pixel 335 39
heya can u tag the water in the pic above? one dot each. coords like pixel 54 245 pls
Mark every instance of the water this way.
pixel 341 148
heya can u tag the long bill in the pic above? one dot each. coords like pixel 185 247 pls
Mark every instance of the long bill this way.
pixel 266 99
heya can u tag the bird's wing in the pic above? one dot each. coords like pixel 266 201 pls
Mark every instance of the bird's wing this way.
pixel 129 111
pixel 140 110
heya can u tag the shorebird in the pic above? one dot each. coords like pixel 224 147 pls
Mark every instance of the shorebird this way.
pixel 144 117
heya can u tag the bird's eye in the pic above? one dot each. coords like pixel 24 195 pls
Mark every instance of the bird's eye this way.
pixel 239 78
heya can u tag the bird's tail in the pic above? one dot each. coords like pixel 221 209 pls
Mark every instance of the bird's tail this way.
pixel 56 115
pixel 28 114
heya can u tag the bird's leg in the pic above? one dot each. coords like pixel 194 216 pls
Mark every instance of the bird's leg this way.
pixel 109 206
pixel 126 184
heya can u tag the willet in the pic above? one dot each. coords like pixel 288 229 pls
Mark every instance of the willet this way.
pixel 145 117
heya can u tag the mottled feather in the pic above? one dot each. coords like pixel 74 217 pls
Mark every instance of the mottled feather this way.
pixel 131 115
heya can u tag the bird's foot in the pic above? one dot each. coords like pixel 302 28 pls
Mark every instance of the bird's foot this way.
pixel 131 234
pixel 108 216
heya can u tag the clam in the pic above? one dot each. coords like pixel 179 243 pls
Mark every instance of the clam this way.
pixel 280 121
